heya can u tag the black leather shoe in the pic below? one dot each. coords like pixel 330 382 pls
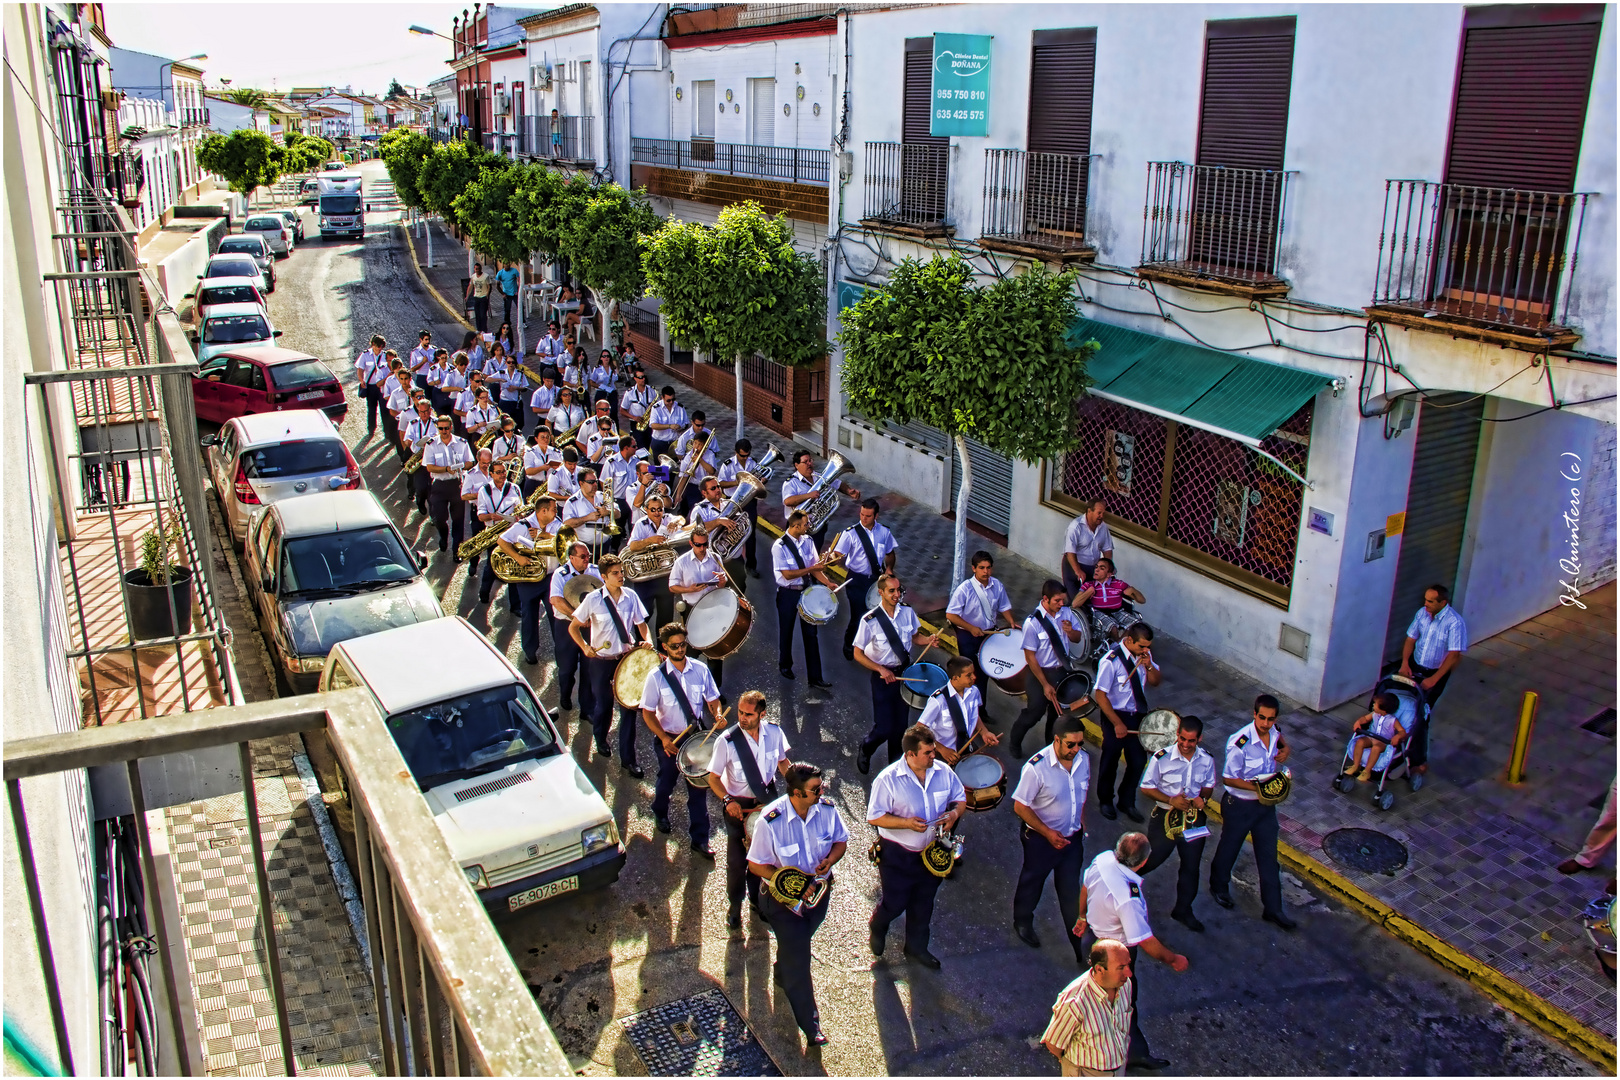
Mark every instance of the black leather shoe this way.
pixel 816 1036
pixel 603 751
pixel 530 658
pixel 875 941
pixel 565 706
pixel 925 958
pixel 1189 920
pixel 703 852
pixel 639 773
pixel 821 684
pixel 1026 934
pixel 1223 899
pixel 662 822
pixel 1107 810
pixel 1148 1061
pixel 849 654
pixel 1133 813
pixel 786 673
pixel 1279 919
pixel 863 761
pixel 733 920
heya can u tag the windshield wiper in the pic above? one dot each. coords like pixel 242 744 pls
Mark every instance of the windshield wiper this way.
pixel 316 594
pixel 373 584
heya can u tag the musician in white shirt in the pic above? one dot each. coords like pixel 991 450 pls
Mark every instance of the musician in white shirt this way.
pixel 795 559
pixel 544 397
pixel 618 471
pixel 974 609
pixel 798 491
pixel 471 482
pixel 883 646
pixel 569 655
pixel 465 401
pixel 696 574
pixel 497 504
pixel 955 715
pixel 1047 633
pixel 563 483
pixel 617 623
pixel 364 365
pixel 415 436
pixel 673 699
pixel 483 417
pixel 742 790
pixel 695 464
pixel 730 469
pixel 668 419
pixel 539 461
pixel 1181 777
pixel 445 459
pixel 565 417
pixel 587 511
pixel 868 549
pixel 652 529
pixel 518 542
pixel 636 401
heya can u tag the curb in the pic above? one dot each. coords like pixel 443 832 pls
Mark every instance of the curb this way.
pixel 421 275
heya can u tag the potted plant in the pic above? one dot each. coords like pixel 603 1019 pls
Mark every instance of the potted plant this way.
pixel 149 587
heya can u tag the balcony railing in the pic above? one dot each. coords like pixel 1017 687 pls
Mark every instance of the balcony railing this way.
pixel 768 375
pixel 792 164
pixel 575 139
pixel 1499 257
pixel 907 184
pixel 195 117
pixel 1211 225
pixel 1036 200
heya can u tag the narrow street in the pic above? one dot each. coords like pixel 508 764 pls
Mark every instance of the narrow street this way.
pixel 1336 997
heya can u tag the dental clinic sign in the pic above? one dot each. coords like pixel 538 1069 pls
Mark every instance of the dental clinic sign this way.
pixel 961 85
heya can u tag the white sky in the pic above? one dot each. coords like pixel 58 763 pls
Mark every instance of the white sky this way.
pixel 282 45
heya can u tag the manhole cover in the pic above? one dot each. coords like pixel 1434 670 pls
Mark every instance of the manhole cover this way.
pixel 1365 850
pixel 701 1035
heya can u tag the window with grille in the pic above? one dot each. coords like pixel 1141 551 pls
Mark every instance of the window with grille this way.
pixel 1200 498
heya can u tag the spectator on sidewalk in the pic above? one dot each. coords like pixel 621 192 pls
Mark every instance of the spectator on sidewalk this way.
pixel 478 289
pixel 509 279
pixel 1090 1031
pixel 1598 841
pixel 1088 540
pixel 1433 647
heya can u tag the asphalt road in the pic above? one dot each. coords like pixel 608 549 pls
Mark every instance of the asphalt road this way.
pixel 1335 997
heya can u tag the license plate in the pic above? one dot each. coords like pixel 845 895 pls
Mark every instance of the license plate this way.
pixel 312 395
pixel 543 892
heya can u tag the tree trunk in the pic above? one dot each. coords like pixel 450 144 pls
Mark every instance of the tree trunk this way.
pixel 959 554
pixel 738 374
pixel 518 340
pixel 427 224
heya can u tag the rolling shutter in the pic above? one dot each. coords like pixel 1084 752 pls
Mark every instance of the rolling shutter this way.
pixel 923 175
pixel 990 501
pixel 1248 72
pixel 919 94
pixel 1522 90
pixel 762 112
pixel 1062 73
pixel 1436 507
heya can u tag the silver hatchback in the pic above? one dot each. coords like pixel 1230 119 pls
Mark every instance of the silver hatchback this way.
pixel 276 230
pixel 266 458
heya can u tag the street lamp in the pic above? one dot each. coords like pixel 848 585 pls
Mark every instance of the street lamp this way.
pixel 170 64
pixel 431 33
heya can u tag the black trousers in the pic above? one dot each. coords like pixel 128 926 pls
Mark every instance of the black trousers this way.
pixel 659 447
pixel 857 588
pixel 1041 859
pixel 889 716
pixel 531 597
pixel 792 967
pixel 569 663
pixel 1247 818
pixel 908 889
pixel 374 402
pixel 447 511
pixel 1108 762
pixel 418 485
pixel 487 582
pixel 481 313
pixel 1190 853
pixel 1418 740
pixel 1036 708
pixel 514 409
pixel 787 614
pixel 738 879
pixel 599 669
pixel 657 599
pixel 1072 583
pixel 750 560
pixel 697 799
pixel 508 302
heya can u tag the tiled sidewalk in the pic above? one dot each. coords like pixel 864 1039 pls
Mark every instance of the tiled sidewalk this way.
pixel 1480 872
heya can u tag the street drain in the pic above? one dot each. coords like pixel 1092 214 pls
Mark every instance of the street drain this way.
pixel 701 1035
pixel 1365 850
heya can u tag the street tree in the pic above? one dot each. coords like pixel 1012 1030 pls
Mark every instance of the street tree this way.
pixel 991 364
pixel 403 153
pixel 603 245
pixel 247 159
pixel 450 170
pixel 738 289
pixel 498 223
pixel 395 90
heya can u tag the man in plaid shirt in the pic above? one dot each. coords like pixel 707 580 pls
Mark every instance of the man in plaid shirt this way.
pixel 1090 1032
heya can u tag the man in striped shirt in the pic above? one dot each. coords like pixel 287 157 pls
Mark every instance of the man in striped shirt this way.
pixel 1090 1032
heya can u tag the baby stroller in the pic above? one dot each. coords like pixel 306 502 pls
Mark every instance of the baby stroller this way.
pixel 1413 716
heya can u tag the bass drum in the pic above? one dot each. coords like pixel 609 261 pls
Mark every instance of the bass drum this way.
pixel 630 677
pixel 928 678
pixel 985 780
pixel 719 623
pixel 1002 657
pixel 1158 730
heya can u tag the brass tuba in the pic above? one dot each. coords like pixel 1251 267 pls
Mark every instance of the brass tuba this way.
pixel 820 508
pixel 656 560
pixel 763 467
pixel 511 571
pixel 724 544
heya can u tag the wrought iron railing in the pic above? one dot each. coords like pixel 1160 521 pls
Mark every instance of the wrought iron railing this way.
pixel 1495 255
pixel 907 183
pixel 1036 198
pixel 1214 221
pixel 794 164
pixel 768 375
pixel 567 138
pixel 440 135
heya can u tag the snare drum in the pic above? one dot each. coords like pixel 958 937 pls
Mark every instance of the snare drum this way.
pixel 1075 689
pixel 630 677
pixel 1158 730
pixel 1002 657
pixel 1079 652
pixel 916 694
pixel 818 605
pixel 694 756
pixel 984 779
pixel 718 624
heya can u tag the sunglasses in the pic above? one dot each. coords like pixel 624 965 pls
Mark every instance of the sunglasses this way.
pixel 700 543
pixel 673 645
pixel 442 427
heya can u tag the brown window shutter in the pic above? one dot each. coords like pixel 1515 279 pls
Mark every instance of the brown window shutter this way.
pixel 1522 90
pixel 1248 71
pixel 1062 73
pixel 919 91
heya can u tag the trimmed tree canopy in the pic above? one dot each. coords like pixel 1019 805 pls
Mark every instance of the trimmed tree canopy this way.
pixel 404 153
pixel 247 159
pixel 604 243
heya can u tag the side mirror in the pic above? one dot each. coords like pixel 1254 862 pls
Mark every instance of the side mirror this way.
pixel 209 440
pixel 268 584
pixel 421 559
pixel 191 296
pixel 275 333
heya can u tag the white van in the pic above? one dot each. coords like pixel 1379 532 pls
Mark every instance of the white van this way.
pixel 520 816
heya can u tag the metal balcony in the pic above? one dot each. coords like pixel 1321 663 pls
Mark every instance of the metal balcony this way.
pixel 908 187
pixel 1035 204
pixel 791 164
pixel 1496 261
pixel 574 138
pixel 1213 227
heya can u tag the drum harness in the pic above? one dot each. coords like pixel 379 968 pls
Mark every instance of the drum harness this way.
pixel 1138 694
pixel 618 624
pixel 763 792
pixel 792 546
pixel 693 722
pixel 893 635
pixel 871 557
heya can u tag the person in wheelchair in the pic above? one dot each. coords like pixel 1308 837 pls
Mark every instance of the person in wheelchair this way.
pixel 1379 730
pixel 1106 593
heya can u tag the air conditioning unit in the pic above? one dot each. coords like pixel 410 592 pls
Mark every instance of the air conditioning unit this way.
pixel 540 77
pixel 505 103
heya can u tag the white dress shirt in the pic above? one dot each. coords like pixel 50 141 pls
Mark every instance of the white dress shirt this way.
pixel 536 458
pixel 1169 773
pixel 598 441
pixel 506 446
pixel 418 431
pixel 563 417
pixel 1247 757
pixel 563 481
pixel 695 682
pixel 477 420
pixel 1115 907
pixel 1436 636
pixel 792 486
pixel 683 447
pixel 872 640
pixel 978 606
pixel 464 401
pixel 579 506
pixel 896 790
pixel 782 838
pixel 504 501
pixel 1114 678
pixel 543 398
pixel 635 403
pixel 620 470
pixel 602 378
pixel 674 415
pixel 1057 795
pixel 604 637
pixel 1085 543
pixel 421 357
pixel 471 481
pixel 768 750
pixel 1049 654
pixel 559 581
pixel 690 570
pixel 447 454
pixel 936 715
pixel 364 362
pixel 849 543
pixel 781 560
pixel 643 529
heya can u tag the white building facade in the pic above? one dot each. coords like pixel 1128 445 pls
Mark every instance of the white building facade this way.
pixel 150 142
pixel 1317 395
pixel 179 84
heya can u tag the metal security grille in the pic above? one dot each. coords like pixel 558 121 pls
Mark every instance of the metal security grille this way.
pixel 1224 502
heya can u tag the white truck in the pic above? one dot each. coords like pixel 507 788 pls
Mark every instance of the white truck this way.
pixel 341 205
pixel 519 815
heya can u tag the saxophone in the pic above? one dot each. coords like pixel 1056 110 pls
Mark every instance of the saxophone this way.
pixel 820 508
pixel 486 537
pixel 725 543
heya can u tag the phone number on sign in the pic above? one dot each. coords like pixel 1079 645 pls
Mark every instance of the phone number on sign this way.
pixel 962 95
pixel 958 114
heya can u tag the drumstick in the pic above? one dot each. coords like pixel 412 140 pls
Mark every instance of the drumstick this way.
pixel 902 678
pixel 840 588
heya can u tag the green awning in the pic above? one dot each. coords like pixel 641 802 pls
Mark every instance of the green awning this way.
pixel 1231 395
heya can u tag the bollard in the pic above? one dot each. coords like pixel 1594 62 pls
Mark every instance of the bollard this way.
pixel 1521 737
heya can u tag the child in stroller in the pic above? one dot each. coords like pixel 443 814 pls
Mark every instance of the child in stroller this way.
pixel 1379 742
pixel 1381 731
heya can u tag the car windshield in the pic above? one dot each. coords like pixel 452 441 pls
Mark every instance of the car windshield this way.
pixel 342 563
pixel 233 268
pixel 235 329
pixel 300 373
pixel 250 244
pixel 340 204
pixel 258 223
pixel 230 294
pixel 471 734
pixel 297 458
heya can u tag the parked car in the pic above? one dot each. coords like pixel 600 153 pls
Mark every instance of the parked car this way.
pixel 232 325
pixel 231 265
pixel 296 220
pixel 520 817
pixel 273 228
pixel 265 379
pixel 264 458
pixel 326 568
pixel 334 166
pixel 254 247
pixel 309 194
pixel 212 292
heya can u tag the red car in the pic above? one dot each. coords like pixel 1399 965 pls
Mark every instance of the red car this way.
pixel 262 379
